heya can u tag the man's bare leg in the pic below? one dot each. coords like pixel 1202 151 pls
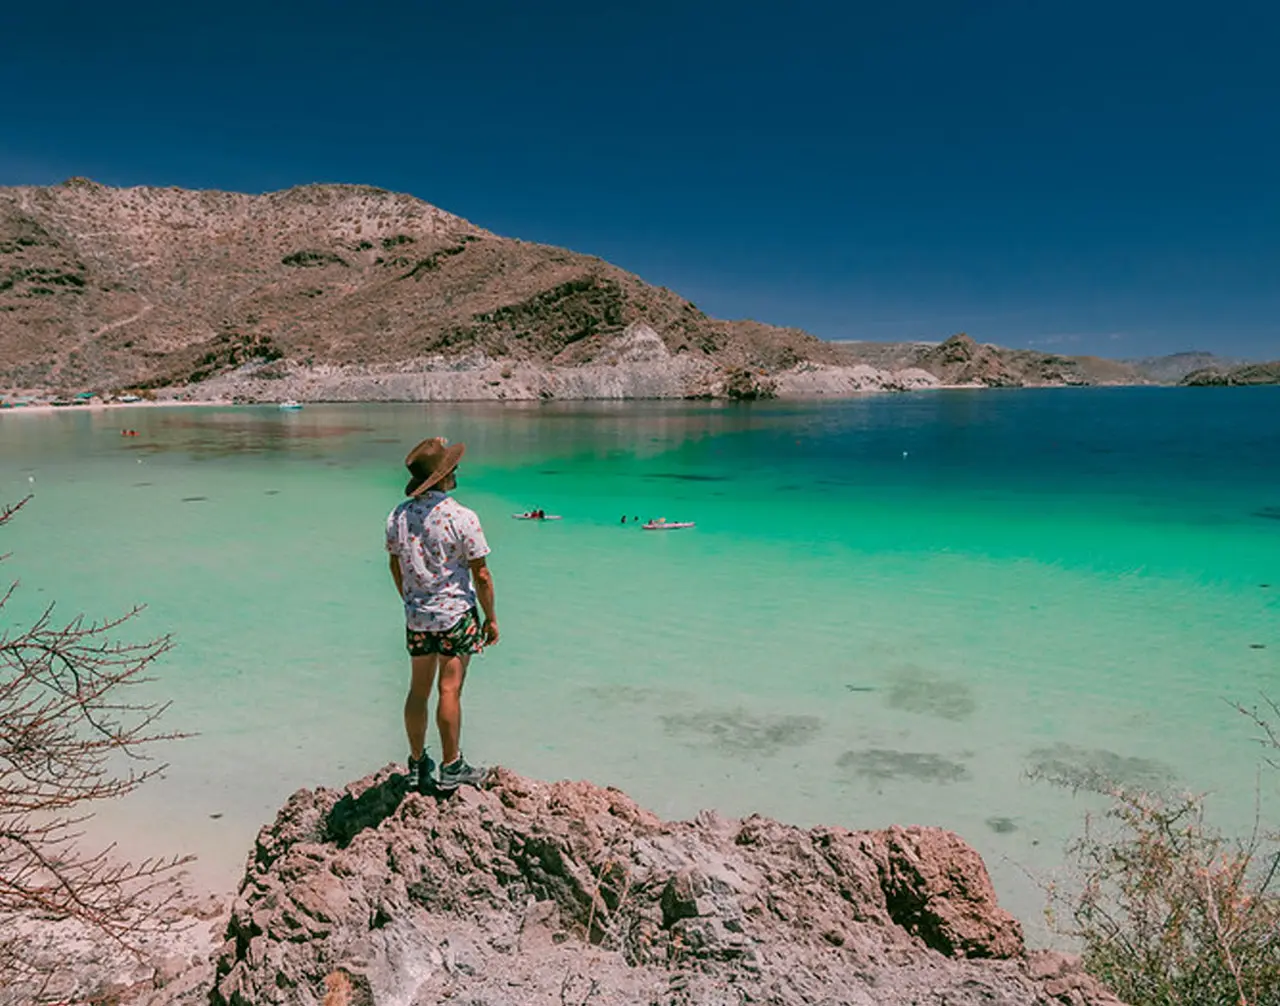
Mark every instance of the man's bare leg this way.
pixel 415 703
pixel 453 672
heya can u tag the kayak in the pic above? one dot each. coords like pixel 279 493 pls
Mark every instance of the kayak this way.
pixel 668 525
pixel 529 516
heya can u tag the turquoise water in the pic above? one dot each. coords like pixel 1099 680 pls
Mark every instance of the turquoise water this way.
pixel 891 609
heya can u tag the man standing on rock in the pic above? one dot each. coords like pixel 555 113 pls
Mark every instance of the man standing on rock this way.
pixel 438 563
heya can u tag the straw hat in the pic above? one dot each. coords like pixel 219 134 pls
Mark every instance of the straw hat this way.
pixel 429 462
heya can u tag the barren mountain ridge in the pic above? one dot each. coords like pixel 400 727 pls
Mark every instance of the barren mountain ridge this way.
pixel 150 286
pixel 348 292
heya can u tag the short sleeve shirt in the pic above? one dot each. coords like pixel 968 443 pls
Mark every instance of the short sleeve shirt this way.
pixel 435 538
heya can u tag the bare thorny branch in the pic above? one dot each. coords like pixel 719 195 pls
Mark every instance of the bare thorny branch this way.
pixel 1170 912
pixel 1268 721
pixel 73 731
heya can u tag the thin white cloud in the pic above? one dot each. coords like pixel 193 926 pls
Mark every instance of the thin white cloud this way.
pixel 1071 338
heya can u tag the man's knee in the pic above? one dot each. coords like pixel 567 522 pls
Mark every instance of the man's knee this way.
pixel 453 672
pixel 417 698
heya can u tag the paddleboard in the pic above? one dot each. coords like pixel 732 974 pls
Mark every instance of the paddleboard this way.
pixel 525 516
pixel 671 525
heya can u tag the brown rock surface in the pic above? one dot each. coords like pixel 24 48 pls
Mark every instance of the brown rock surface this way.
pixel 552 893
pixel 960 360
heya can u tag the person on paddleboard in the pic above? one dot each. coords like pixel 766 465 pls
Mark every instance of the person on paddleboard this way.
pixel 438 562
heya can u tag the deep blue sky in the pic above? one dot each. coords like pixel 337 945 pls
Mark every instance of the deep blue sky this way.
pixel 1084 176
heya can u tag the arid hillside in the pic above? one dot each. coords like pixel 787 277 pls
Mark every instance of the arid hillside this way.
pixel 1234 377
pixel 962 360
pixel 346 292
pixel 103 287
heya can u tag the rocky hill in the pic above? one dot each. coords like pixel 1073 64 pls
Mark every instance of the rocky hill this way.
pixel 1250 373
pixel 105 288
pixel 962 360
pixel 1172 368
pixel 345 292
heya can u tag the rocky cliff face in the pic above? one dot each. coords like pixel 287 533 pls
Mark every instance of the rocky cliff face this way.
pixel 569 893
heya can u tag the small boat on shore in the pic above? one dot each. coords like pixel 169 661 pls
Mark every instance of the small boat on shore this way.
pixel 529 516
pixel 667 525
pixel 290 405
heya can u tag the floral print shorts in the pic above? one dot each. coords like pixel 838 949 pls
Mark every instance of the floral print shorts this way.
pixel 461 638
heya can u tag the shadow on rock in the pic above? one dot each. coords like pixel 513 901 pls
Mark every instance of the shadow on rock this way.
pixel 354 813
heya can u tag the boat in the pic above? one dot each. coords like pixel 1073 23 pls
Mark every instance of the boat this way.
pixel 290 405
pixel 128 399
pixel 529 516
pixel 667 525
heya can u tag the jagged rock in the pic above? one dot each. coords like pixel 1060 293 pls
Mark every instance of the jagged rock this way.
pixel 742 384
pixel 532 892
pixel 810 380
pixel 638 343
pixel 1252 373
pixel 960 360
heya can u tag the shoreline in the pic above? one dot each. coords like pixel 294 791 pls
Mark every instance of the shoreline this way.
pixel 46 408
pixel 638 369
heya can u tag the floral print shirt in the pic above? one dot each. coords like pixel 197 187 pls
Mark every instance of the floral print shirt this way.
pixel 435 538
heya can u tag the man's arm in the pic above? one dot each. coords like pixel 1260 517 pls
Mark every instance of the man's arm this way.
pixel 482 577
pixel 396 575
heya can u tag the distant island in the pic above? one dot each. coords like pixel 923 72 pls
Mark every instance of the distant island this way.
pixel 352 293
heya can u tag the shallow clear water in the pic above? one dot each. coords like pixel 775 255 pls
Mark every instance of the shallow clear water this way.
pixel 891 609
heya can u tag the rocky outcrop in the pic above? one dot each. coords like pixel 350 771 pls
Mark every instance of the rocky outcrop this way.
pixel 960 360
pixel 815 380
pixel 569 893
pixel 1250 374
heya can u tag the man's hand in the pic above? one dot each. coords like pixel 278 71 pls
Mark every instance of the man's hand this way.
pixel 490 632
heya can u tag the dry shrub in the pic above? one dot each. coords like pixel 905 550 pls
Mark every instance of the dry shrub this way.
pixel 72 733
pixel 1168 910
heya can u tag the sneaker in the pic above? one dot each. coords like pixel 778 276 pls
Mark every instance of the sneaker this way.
pixel 459 773
pixel 421 773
